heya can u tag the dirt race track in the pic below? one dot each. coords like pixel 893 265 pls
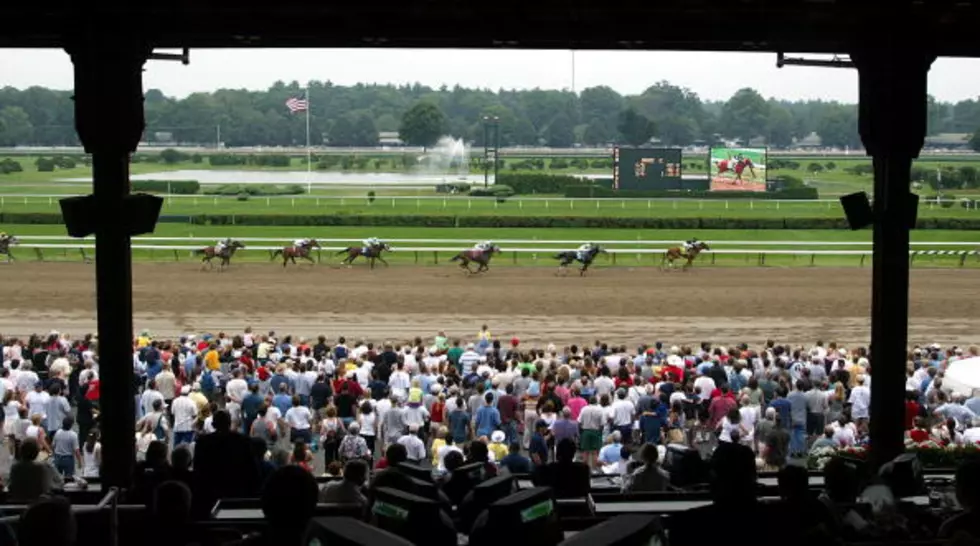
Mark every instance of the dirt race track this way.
pixel 621 305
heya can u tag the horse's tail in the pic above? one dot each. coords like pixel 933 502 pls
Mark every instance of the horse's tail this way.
pixel 348 249
pixel 199 251
pixel 278 252
pixel 457 257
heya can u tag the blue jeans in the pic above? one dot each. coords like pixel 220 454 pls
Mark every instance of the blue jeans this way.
pixel 183 438
pixel 797 440
pixel 65 464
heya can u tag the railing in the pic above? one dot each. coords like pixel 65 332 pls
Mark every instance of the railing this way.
pixel 760 254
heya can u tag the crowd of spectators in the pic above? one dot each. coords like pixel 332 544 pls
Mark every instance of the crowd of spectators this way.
pixel 220 414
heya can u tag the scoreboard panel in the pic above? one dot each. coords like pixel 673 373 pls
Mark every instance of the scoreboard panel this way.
pixel 647 168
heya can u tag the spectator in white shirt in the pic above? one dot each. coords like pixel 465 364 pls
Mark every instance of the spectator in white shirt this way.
pixel 623 412
pixel 185 414
pixel 413 445
pixel 299 418
pixel 469 360
pixel 37 401
pixel 149 395
pixel 603 384
pixel 167 383
pixel 860 400
pixel 237 388
pixel 26 378
pixel 399 380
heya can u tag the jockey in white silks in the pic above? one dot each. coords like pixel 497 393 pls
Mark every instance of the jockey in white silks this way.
pixel 583 251
pixel 221 245
pixel 371 242
pixel 484 246
pixel 301 243
pixel 689 245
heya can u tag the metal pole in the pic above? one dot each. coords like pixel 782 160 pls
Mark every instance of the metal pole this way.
pixel 486 153
pixel 309 155
pixel 496 148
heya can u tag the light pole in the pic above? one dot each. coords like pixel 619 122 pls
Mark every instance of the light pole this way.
pixel 490 121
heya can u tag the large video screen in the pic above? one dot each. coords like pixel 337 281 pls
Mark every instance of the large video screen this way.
pixel 740 169
pixel 647 168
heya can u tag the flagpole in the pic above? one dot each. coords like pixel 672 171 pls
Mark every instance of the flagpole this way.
pixel 309 155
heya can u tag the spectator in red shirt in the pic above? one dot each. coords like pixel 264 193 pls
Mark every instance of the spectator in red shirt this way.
pixel 507 405
pixel 721 405
pixel 919 433
pixel 912 409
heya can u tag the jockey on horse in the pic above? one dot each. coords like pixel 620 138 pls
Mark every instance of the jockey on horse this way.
pixel 585 253
pixel 301 249
pixel 6 241
pixel 480 253
pixel 372 250
pixel 221 246
pixel 689 251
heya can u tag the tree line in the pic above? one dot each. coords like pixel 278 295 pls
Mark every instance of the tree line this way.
pixel 356 115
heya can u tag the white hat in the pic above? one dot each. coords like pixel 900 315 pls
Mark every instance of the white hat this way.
pixel 675 360
pixel 186 389
pixel 498 436
pixel 674 350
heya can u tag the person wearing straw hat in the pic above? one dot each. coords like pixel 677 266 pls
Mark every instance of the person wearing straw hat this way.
pixel 497 446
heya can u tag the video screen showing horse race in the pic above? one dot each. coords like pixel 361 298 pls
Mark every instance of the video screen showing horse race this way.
pixel 626 215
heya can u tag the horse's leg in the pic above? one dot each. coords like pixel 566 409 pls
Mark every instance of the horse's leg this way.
pixel 382 260
pixel 372 262
pixel 585 267
pixel 310 259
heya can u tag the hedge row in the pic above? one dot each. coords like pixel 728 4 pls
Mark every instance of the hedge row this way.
pixel 255 189
pixel 183 187
pixel 508 221
pixel 528 183
pixel 599 191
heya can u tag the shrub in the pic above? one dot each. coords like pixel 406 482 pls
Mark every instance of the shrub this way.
pixel 500 191
pixel 860 169
pixel 528 183
pixel 453 187
pixel 44 165
pixel 378 163
pixel 558 163
pixel 226 160
pixel 255 190
pixel 346 162
pixel 63 162
pixel 327 162
pixel 601 163
pixel 814 167
pixel 242 197
pixel 830 165
pixel 196 158
pixel 177 187
pixel 371 196
pixel 269 160
pixel 171 156
pixel 8 166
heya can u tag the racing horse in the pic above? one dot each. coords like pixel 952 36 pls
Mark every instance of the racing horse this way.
pixel 209 254
pixel 737 166
pixel 372 253
pixel 7 241
pixel 480 257
pixel 570 256
pixel 679 252
pixel 290 253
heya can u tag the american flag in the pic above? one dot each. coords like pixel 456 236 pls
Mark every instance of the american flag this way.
pixel 297 105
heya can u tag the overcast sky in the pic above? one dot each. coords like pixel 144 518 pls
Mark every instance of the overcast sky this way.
pixel 714 76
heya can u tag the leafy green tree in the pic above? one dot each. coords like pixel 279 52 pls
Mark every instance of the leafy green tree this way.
pixel 15 126
pixel 422 125
pixel 779 127
pixel 634 128
pixel 975 141
pixel 560 132
pixel 745 115
pixel 839 128
pixel 597 133
pixel 44 164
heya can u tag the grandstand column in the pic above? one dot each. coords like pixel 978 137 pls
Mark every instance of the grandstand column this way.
pixel 892 81
pixel 109 119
